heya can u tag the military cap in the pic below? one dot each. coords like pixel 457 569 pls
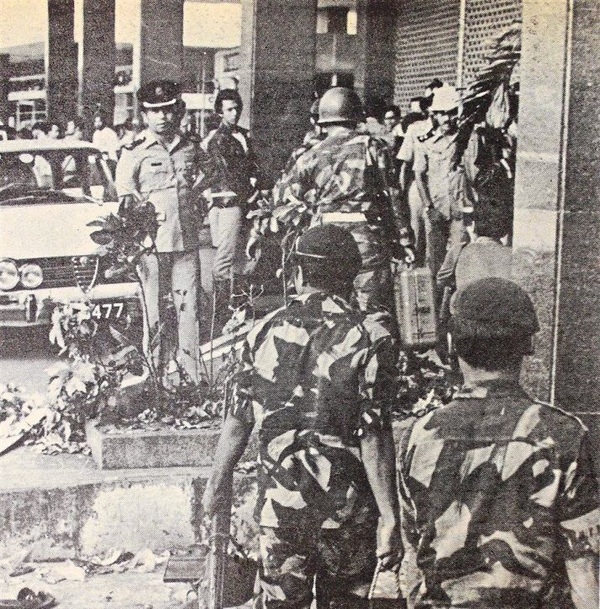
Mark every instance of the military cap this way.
pixel 330 243
pixel 159 94
pixel 493 307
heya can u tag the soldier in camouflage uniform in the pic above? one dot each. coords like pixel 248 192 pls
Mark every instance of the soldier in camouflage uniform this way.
pixel 317 380
pixel 498 498
pixel 347 180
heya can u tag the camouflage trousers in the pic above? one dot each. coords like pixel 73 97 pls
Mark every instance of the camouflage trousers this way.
pixel 373 284
pixel 342 561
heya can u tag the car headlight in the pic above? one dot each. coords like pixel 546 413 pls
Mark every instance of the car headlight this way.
pixel 31 275
pixel 9 275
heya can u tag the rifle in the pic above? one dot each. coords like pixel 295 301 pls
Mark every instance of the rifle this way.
pixel 219 538
pixel 217 558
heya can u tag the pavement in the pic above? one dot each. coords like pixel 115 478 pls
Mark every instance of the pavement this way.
pixel 129 590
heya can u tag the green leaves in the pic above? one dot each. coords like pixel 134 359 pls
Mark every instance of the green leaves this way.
pixel 101 237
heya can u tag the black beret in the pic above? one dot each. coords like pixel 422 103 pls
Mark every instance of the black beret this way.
pixel 159 94
pixel 494 306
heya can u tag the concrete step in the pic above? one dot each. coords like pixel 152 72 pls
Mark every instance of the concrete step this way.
pixel 61 506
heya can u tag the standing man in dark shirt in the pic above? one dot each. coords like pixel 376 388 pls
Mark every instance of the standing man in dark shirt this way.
pixel 230 148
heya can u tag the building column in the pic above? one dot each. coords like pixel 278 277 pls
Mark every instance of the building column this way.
pixel 4 86
pixel 557 208
pixel 97 58
pixel 277 74
pixel 61 62
pixel 376 37
pixel 158 52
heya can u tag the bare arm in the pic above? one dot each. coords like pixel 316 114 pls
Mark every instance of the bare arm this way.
pixel 405 171
pixel 231 446
pixel 423 188
pixel 378 456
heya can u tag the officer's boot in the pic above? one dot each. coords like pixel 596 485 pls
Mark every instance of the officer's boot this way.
pixel 220 305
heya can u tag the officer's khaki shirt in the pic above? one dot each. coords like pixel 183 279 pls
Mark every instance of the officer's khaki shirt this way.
pixel 435 157
pixel 165 178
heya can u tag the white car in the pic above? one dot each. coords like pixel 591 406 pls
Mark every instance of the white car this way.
pixel 49 191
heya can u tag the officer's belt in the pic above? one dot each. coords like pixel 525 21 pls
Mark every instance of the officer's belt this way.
pixel 341 216
pixel 226 194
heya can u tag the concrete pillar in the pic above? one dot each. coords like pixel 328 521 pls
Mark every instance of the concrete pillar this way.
pixel 4 88
pixel 97 58
pixel 61 62
pixel 376 35
pixel 159 49
pixel 557 209
pixel 277 74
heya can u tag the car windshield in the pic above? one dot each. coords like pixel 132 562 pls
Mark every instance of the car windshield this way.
pixel 63 175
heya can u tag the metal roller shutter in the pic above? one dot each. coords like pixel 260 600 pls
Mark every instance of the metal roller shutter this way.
pixel 484 20
pixel 426 46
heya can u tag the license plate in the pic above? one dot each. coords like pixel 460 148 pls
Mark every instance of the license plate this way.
pixel 108 310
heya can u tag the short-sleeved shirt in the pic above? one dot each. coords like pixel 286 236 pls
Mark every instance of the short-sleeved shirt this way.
pixel 314 377
pixel 107 141
pixel 165 177
pixel 437 157
pixel 342 173
pixel 413 132
pixel 496 490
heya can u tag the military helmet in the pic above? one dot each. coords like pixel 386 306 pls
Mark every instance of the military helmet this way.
pixel 339 105
pixel 494 307
pixel 330 245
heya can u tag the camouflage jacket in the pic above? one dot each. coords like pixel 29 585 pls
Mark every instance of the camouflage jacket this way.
pixel 350 172
pixel 496 491
pixel 314 376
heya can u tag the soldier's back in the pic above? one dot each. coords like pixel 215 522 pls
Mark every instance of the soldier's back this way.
pixel 487 478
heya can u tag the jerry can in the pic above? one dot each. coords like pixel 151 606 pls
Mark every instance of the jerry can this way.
pixel 414 298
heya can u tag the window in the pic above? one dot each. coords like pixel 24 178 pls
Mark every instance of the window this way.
pixel 351 23
pixel 322 21
pixel 231 62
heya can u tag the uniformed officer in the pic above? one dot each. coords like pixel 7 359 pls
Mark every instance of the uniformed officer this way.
pixel 348 180
pixel 161 166
pixel 440 178
pixel 499 501
pixel 317 377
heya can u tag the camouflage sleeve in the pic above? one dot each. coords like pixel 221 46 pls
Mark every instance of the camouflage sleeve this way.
pixel 408 516
pixel 291 185
pixel 241 407
pixel 578 505
pixel 377 382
